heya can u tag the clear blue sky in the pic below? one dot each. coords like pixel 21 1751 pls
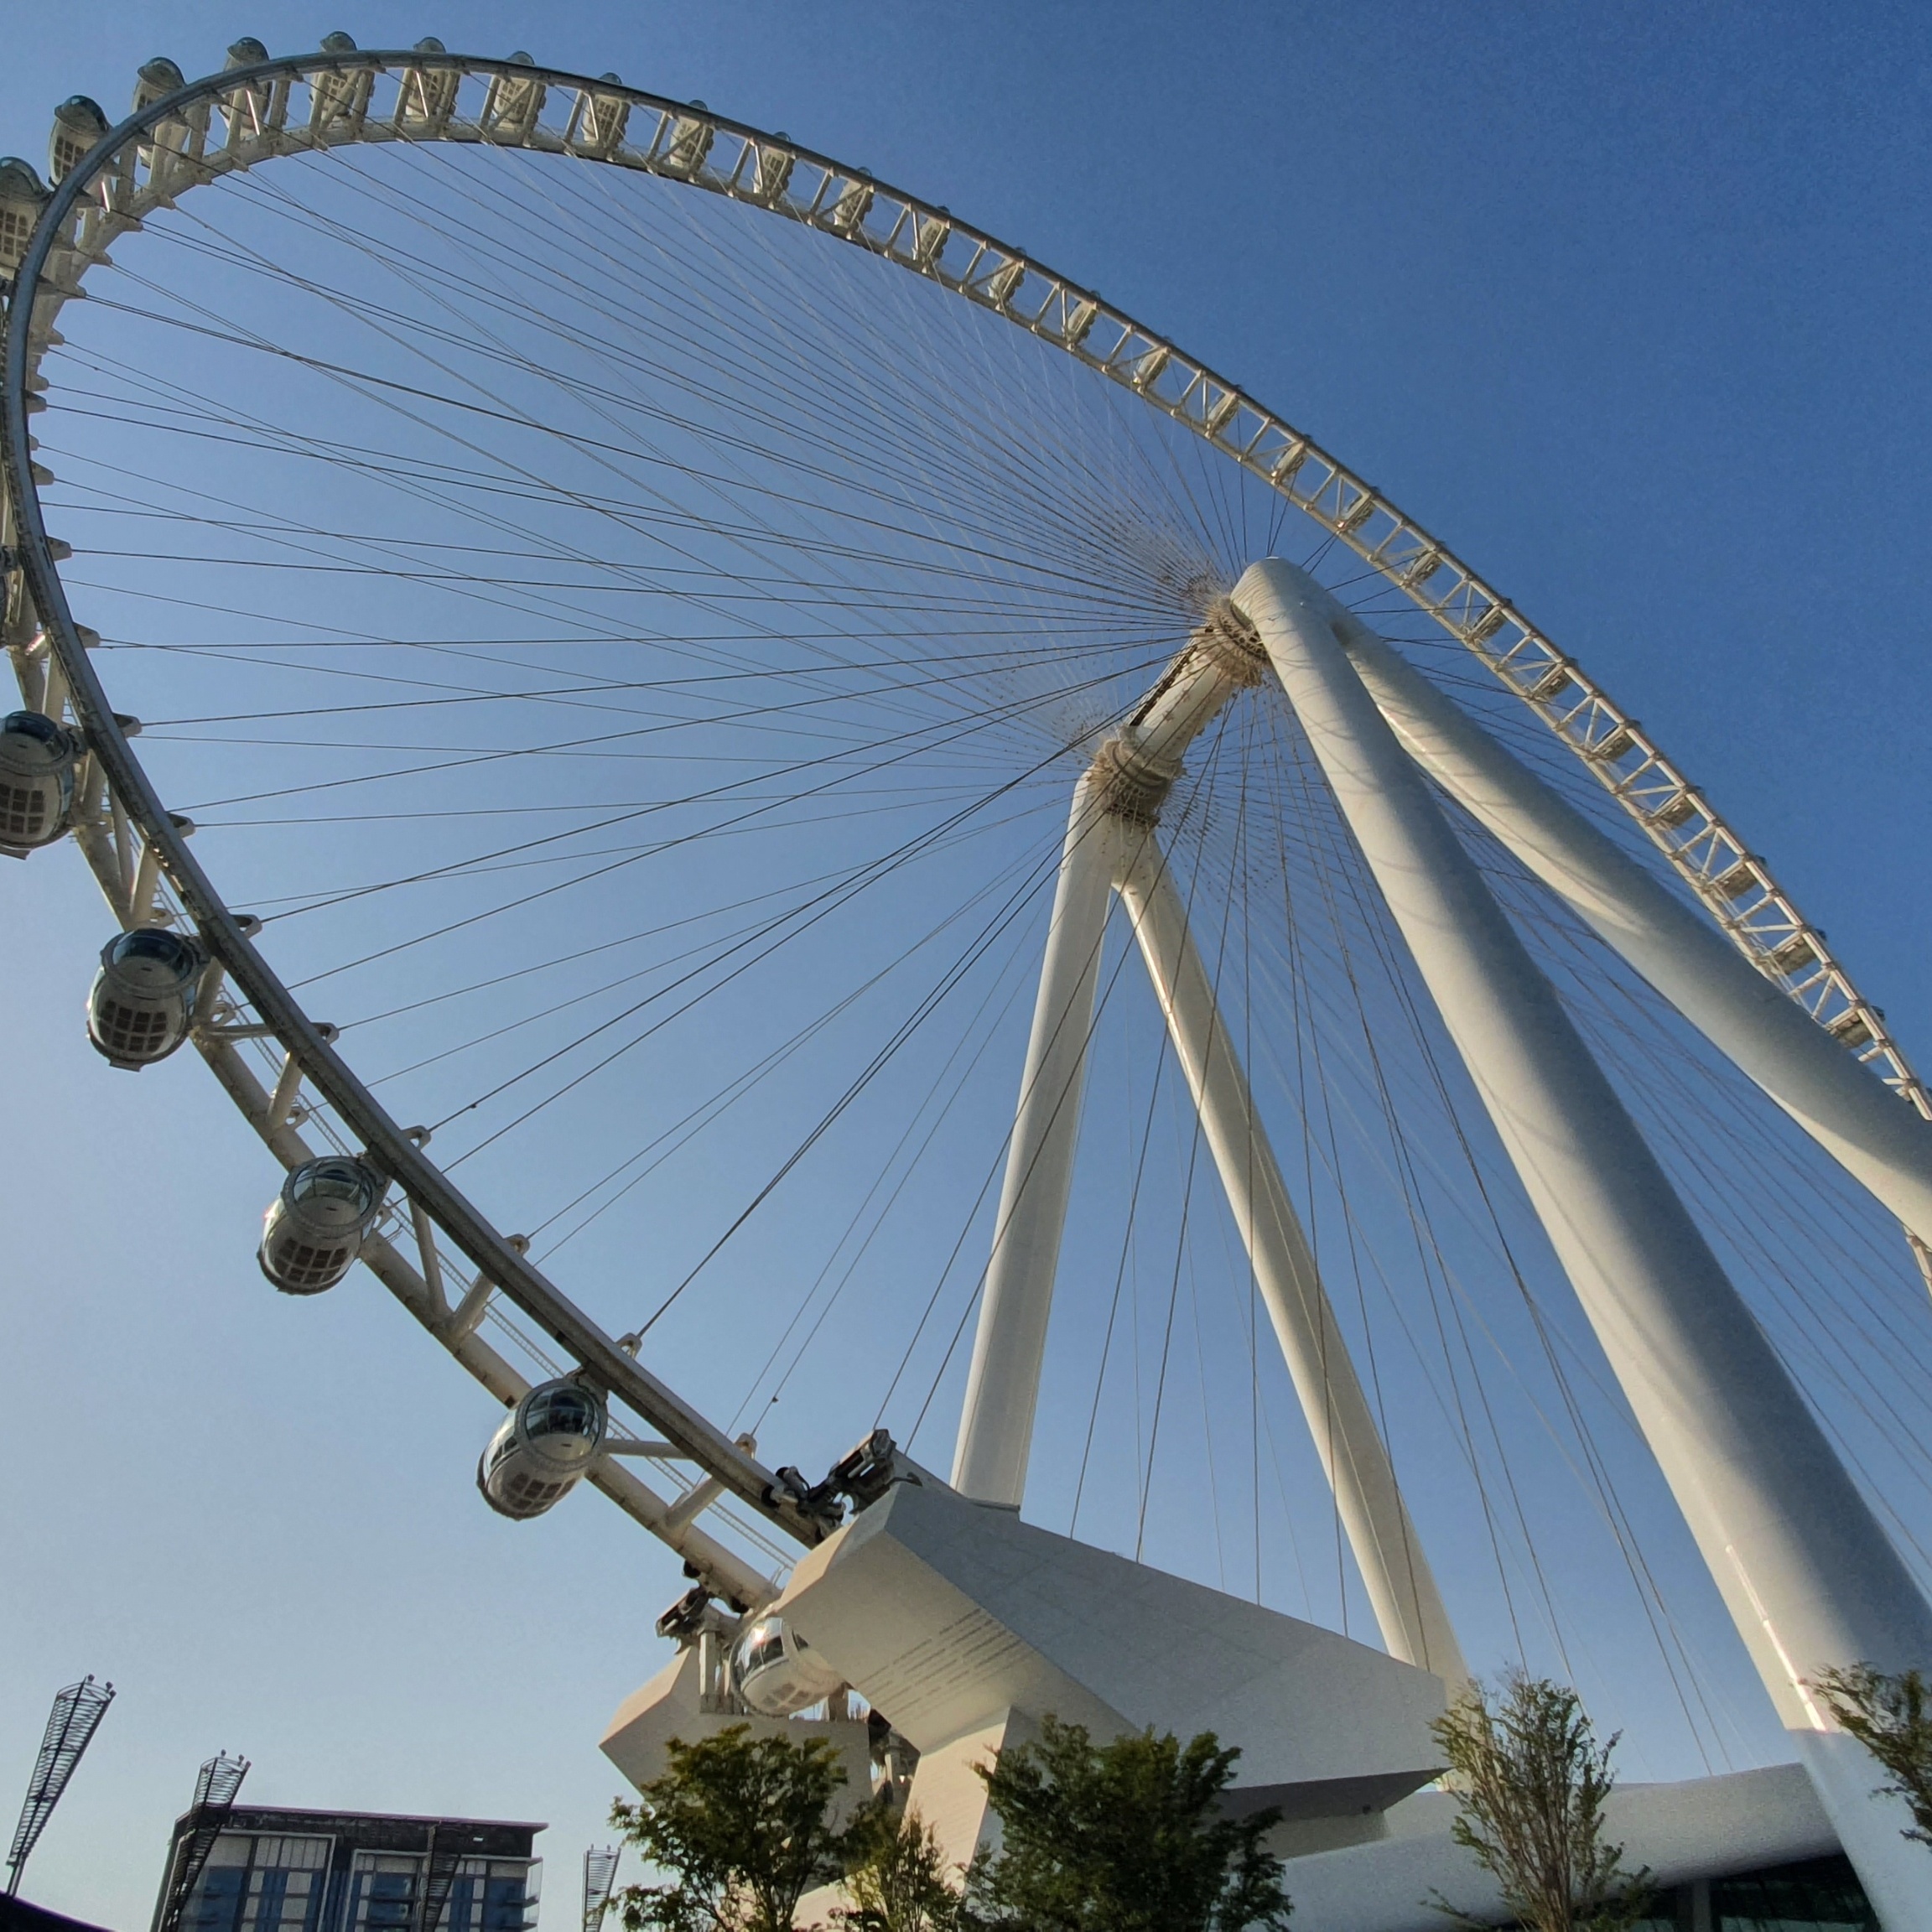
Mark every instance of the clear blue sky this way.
pixel 1627 303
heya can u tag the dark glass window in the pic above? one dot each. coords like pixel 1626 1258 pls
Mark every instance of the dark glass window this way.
pixel 505 1905
pixel 1821 1895
pixel 216 1906
pixel 386 1901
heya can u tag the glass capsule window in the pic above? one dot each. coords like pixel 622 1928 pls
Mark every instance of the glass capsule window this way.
pixel 303 1266
pixel 563 1409
pixel 33 724
pixel 151 942
pixel 334 1180
pixel 526 1492
pixel 136 1031
pixel 27 810
pixel 68 149
pixel 16 225
pixel 766 1645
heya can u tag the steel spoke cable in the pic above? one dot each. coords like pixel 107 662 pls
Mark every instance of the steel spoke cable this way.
pixel 363 379
pixel 729 942
pixel 1010 911
pixel 1012 984
pixel 1006 786
pixel 673 1138
pixel 828 902
pixel 747 290
pixel 630 815
pixel 641 291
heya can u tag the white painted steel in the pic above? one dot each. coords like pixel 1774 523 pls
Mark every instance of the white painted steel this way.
pixel 1116 796
pixel 241 119
pixel 1110 841
pixel 1003 1386
pixel 1844 1106
pixel 723 1568
pixel 428 1260
pixel 1401 1587
pixel 1808 1577
pixel 1895 1871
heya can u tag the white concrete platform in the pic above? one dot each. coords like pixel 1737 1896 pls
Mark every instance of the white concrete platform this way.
pixel 1702 1828
pixel 960 1621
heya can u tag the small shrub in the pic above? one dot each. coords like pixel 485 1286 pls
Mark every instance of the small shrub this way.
pixel 1127 1836
pixel 742 1824
pixel 897 1879
pixel 1532 1779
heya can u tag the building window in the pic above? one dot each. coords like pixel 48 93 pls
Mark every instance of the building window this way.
pixel 281 1900
pixel 383 1891
pixel 215 1905
pixel 509 1898
pixel 253 1884
pixel 1821 1895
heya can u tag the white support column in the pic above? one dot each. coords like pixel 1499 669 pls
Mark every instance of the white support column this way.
pixel 1408 1606
pixel 1875 1136
pixel 1807 1574
pixel 1003 1386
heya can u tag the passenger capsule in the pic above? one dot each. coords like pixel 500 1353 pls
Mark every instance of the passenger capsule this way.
pixel 38 759
pixel 777 1673
pixel 549 1442
pixel 23 194
pixel 78 124
pixel 143 1004
pixel 317 1224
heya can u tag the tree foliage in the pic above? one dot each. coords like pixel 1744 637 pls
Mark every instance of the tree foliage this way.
pixel 896 1878
pixel 743 1825
pixel 1127 1836
pixel 1892 1718
pixel 1533 1780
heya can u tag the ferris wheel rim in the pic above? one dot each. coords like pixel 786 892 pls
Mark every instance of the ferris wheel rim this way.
pixel 1731 884
pixel 1340 503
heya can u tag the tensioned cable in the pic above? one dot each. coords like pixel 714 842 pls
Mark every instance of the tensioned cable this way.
pixel 653 500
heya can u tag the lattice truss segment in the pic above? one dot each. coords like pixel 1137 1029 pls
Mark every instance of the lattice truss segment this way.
pixel 71 1726
pixel 217 1785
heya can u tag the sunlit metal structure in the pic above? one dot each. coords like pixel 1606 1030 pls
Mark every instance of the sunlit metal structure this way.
pixel 599 1875
pixel 217 1785
pixel 71 1726
pixel 1809 1575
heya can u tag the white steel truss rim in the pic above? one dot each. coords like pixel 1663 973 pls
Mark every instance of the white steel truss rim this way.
pixel 391 1146
pixel 1349 510
pixel 1733 886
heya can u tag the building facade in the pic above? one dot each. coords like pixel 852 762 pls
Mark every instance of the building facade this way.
pixel 287 1871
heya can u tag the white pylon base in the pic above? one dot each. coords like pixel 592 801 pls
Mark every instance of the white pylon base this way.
pixel 1895 1871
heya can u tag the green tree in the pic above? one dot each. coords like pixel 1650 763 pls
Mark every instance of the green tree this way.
pixel 1892 1718
pixel 1533 1778
pixel 897 1879
pixel 1127 1836
pixel 743 1825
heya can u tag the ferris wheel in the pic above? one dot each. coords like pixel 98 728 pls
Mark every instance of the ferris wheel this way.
pixel 690 673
